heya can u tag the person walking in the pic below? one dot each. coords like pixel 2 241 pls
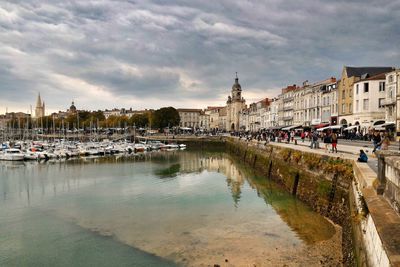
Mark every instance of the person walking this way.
pixel 302 136
pixel 334 142
pixel 327 140
pixel 314 140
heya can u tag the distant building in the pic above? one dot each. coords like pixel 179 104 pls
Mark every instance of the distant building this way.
pixel 351 75
pixel 392 112
pixel 9 116
pixel 214 117
pixel 234 105
pixel 72 109
pixel 40 107
pixel 369 103
pixel 190 118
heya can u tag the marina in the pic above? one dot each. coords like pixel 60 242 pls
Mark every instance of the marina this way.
pixel 181 207
pixel 44 150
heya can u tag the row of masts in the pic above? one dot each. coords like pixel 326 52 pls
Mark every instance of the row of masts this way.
pixel 37 129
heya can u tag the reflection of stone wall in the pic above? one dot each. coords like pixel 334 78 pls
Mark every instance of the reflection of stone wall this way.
pixel 316 175
pixel 392 175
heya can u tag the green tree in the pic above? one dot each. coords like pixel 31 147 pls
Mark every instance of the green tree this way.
pixel 139 120
pixel 164 117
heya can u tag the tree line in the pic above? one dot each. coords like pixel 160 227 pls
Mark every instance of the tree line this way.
pixel 158 119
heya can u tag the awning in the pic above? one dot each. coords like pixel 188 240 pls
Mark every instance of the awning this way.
pixel 323 128
pixel 321 125
pixel 386 124
pixel 275 128
pixel 379 128
pixel 350 128
pixel 336 127
pixel 291 127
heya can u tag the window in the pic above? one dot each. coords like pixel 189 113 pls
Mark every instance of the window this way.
pixel 357 106
pixel 357 89
pixel 381 102
pixel 343 94
pixel 350 107
pixel 351 92
pixel 390 78
pixel 343 108
pixel 365 104
pixel 382 87
pixel 366 87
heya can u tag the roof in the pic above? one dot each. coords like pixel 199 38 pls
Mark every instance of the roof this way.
pixel 188 110
pixel 371 71
pixel 380 76
pixel 211 108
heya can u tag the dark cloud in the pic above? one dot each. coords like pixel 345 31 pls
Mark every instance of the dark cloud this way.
pixel 143 53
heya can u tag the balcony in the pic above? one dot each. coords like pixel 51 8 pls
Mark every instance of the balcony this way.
pixel 389 101
pixel 287 108
pixel 288 99
pixel 288 118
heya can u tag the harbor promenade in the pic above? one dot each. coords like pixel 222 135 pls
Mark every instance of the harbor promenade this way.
pixel 380 230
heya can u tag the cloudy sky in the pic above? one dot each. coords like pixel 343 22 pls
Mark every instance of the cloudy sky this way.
pixel 184 53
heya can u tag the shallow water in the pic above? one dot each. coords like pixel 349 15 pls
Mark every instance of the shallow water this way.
pixel 159 209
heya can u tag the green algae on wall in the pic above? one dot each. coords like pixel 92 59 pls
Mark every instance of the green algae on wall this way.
pixel 322 182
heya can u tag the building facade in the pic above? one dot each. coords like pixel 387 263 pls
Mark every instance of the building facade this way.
pixel 189 117
pixel 351 75
pixel 369 103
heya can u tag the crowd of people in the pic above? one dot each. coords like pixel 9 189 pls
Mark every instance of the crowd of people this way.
pixel 329 138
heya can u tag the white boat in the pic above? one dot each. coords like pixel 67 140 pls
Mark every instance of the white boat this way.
pixel 12 154
pixel 182 146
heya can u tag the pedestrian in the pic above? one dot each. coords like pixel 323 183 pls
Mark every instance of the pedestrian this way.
pixel 362 157
pixel 377 141
pixel 314 140
pixel 385 143
pixel 327 140
pixel 302 136
pixel 334 142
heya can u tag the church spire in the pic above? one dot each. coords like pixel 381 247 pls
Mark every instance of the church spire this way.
pixel 38 101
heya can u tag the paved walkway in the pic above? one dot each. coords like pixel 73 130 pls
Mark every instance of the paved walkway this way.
pixel 344 151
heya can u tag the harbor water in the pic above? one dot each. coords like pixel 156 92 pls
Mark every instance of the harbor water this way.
pixel 166 208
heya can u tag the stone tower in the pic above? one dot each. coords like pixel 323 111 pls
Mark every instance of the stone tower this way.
pixel 234 105
pixel 40 107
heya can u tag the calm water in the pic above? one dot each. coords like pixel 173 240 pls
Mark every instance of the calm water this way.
pixel 161 209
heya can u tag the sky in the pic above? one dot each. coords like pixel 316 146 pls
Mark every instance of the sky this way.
pixel 182 53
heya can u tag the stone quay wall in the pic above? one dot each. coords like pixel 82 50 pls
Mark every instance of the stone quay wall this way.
pixel 349 193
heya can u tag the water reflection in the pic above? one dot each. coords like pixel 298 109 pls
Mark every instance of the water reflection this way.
pixel 210 204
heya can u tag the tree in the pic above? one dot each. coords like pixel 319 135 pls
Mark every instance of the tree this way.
pixel 165 117
pixel 139 120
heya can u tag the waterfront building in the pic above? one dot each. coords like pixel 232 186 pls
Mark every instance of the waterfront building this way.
pixel 222 119
pixel 234 105
pixel 351 75
pixel 40 107
pixel 214 114
pixel 286 106
pixel 392 101
pixel 272 114
pixel 189 117
pixel 368 102
pixel 204 121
